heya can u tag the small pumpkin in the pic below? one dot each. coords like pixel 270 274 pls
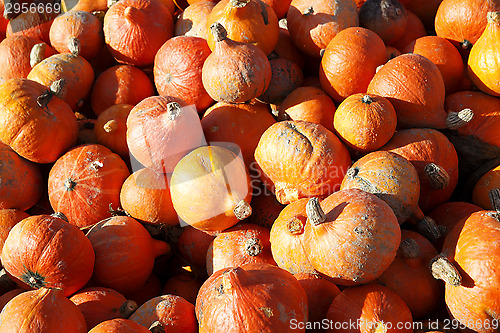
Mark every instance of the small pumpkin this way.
pixel 193 20
pixel 119 325
pixel 111 129
pixel 387 18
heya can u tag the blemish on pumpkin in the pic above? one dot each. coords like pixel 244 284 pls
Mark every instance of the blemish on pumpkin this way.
pixel 96 165
pixel 267 311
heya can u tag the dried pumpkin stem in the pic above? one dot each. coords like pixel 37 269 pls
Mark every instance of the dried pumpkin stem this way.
pixel 314 212
pixel 218 31
pixel 99 14
pixel 409 248
pixel 309 11
pixel 458 119
pixel 112 2
pixel 173 110
pixel 283 23
pixel 443 269
pixel 74 46
pixel 110 126
pixel 493 17
pixel 437 175
pixel 295 226
pixel 37 54
pixel 157 327
pixel 466 44
pixel 60 215
pixel 428 228
pixel 494 196
pixel 367 99
pixel 127 308
pixel 253 246
pixel 242 210
pixel 239 3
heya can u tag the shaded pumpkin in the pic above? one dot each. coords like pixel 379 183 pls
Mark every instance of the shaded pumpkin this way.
pixel 265 295
pixel 426 11
pixel 8 219
pixel 193 20
pixel 150 289
pixel 5 298
pixel 111 129
pixel 21 183
pixel 287 50
pixel 414 30
pixel 86 133
pixel 119 325
pixel 46 251
pixel 286 76
pixel 387 18
pixel 481 192
pixel 265 207
pixel 185 285
pixel 34 24
pixel 280 7
pixel 193 245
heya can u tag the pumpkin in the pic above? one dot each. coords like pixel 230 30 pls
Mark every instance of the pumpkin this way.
pixel 287 239
pixel 85 182
pixel 286 76
pixel 265 207
pixel 320 294
pixel 243 67
pixel 145 195
pixel 35 24
pixel 264 295
pixel 414 30
pixel 21 180
pixel 99 304
pixel 76 72
pixel 45 251
pixel 376 308
pixel 409 275
pixel 484 57
pixel 470 289
pixel 210 189
pixel 4 20
pixel 125 238
pixel 287 50
pixel 310 104
pixel 426 12
pixel 341 74
pixel 134 30
pixel 111 129
pixel 174 313
pixel 365 122
pixel 489 181
pixel 77 27
pixel 177 70
pixel 242 244
pixel 313 24
pixel 193 20
pixel 32 311
pixel 193 245
pixel 387 18
pixel 347 241
pixel 391 52
pixel 444 55
pixel 246 21
pixel 8 219
pixel 16 56
pixel 462 22
pixel 160 131
pixel 119 325
pixel 185 285
pixel 415 87
pixel 150 289
pixel 301 159
pixel 5 298
pixel 435 159
pixel 239 124
pixel 395 180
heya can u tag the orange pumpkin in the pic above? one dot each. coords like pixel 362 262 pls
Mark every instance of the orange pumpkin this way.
pixel 387 18
pixel 489 181
pixel 85 182
pixel 5 298
pixel 286 76
pixel 150 289
pixel 193 20
pixel 111 129
pixel 119 325
pixel 45 251
pixel 8 219
pixel 193 246
pixel 34 24
pixel 185 285
pixel 287 50
pixel 414 30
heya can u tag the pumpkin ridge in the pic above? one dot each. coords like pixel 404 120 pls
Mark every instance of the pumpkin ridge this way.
pixel 34 309
pixel 400 83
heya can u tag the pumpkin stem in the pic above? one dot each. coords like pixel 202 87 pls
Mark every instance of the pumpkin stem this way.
pixel 493 17
pixel 173 110
pixel 253 246
pixel 242 210
pixel 160 247
pixel 314 212
pixel 60 215
pixel 458 119
pixel 283 23
pixel 74 46
pixel 443 269
pixel 367 99
pixel 111 3
pixel 309 11
pixel 110 126
pixel 239 3
pixel 99 14
pixel 118 211
pixel 295 226
pixel 33 279
pixel 352 172
pixel 69 184
pixel 466 45
pixel 229 279
pixel 494 196
pixel 428 228
pixel 410 249
pixel 132 14
pixel 37 54
pixel 218 31
pixel 157 327
pixel 56 87
pixel 127 308
pixel 437 175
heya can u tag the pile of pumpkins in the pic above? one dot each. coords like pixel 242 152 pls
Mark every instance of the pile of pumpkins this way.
pixel 250 166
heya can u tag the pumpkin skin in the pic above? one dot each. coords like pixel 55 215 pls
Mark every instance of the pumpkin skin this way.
pixel 241 124
pixel 145 195
pixel 308 104
pixel 415 87
pixel 280 7
pixel 210 189
pixel 5 298
pixel 287 50
pixel 244 67
pixel 21 180
pixel 185 285
pixel 119 325
pixel 46 251
pixel 471 246
pixel 31 24
pixel 53 129
pixel 414 30
pixel 111 129
pixel 160 132
pixel 239 245
pixel 286 76
pixel 177 70
pixel 365 122
pixel 409 275
pixel 193 246
pixel 444 55
pixel 193 20
pixel 489 181
pixel 341 74
pixel 85 27
pixel 125 238
pixel 76 72
pixel 134 30
pixel 246 21
pixel 99 304
pixel 484 57
pixel 174 313
pixel 264 295
pixel 301 159
pixel 352 257
pixel 387 18
pixel 85 182
pixel 8 219
pixel 120 84
pixel 426 12
pixel 150 289
pixel 371 305
pixel 31 312
pixel 265 207
pixel 313 24
pixel 15 56
pixel 422 146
